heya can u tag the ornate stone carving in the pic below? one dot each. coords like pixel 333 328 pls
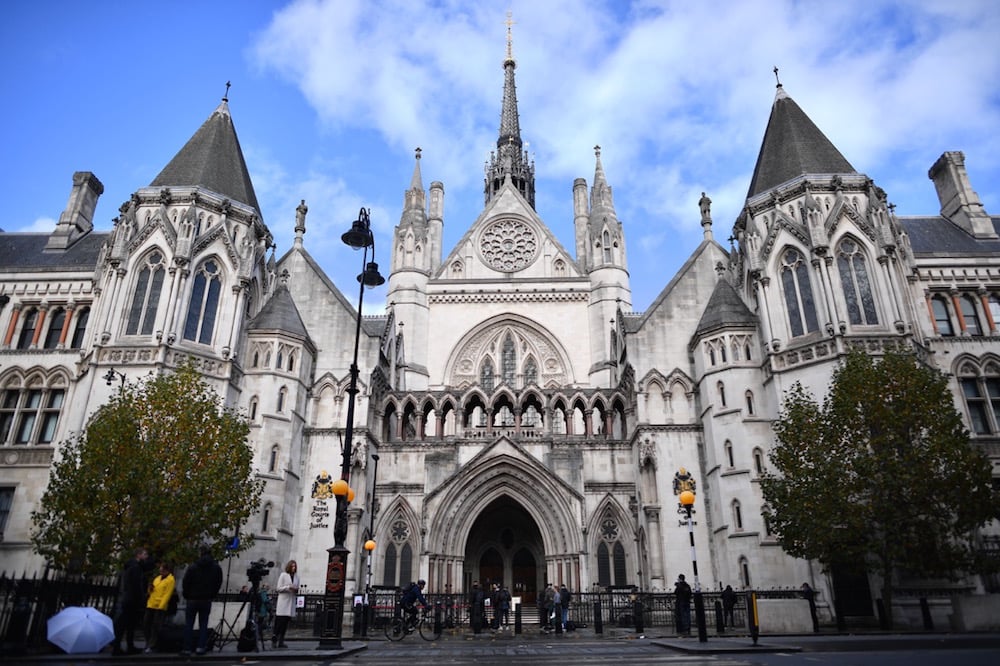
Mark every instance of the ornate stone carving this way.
pixel 508 245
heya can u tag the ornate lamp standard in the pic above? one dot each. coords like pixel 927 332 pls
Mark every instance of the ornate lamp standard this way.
pixel 360 238
pixel 687 502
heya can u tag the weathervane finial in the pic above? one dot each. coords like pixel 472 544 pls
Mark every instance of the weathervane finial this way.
pixel 510 38
pixel 776 76
pixel 225 98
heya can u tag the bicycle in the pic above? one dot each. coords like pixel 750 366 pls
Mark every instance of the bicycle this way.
pixel 399 627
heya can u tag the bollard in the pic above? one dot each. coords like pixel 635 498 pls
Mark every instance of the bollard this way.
pixel 752 620
pixel 720 623
pixel 517 620
pixel 358 616
pixel 925 611
pixel 437 618
pixel 637 615
pixel 598 620
pixel 699 614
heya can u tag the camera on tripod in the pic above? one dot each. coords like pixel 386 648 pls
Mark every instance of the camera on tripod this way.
pixel 257 570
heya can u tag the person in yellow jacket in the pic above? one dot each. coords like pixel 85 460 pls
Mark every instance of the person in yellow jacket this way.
pixel 160 591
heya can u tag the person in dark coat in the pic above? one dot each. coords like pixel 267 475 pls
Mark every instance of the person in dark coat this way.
pixel 682 598
pixel 201 584
pixel 810 595
pixel 728 605
pixel 131 602
pixel 477 607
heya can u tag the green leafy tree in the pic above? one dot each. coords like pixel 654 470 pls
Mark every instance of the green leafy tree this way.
pixel 162 465
pixel 882 476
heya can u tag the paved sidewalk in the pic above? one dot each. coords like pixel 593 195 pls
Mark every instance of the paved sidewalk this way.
pixel 306 648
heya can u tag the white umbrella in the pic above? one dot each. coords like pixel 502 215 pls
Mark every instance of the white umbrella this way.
pixel 78 629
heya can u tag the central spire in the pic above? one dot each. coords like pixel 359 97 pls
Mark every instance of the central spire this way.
pixel 510 160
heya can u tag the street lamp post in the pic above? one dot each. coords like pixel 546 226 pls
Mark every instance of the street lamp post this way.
pixel 370 547
pixel 360 237
pixel 687 501
pixel 112 374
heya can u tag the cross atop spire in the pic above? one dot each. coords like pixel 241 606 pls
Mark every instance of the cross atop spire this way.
pixel 225 98
pixel 510 39
pixel 776 76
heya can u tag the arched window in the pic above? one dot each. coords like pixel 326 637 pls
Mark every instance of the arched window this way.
pixel 758 461
pixel 857 287
pixel 994 303
pixel 56 322
pixel 603 565
pixel 798 293
pixel 508 360
pixel 729 453
pixel 282 394
pixel 745 572
pixel 970 316
pixel 486 377
pixel 28 326
pixel 280 359
pixel 722 351
pixel 711 354
pixel 255 360
pixel 746 352
pixel 750 405
pixel 29 415
pixel 942 321
pixel 291 361
pixel 389 571
pixel 272 463
pixel 606 243
pixel 722 393
pixel 398 564
pixel 530 372
pixel 253 408
pixel 146 297
pixel 204 303
pixel 737 516
pixel 80 327
pixel 982 398
pixel 265 519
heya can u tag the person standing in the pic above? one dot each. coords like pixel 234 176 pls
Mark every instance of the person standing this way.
pixel 160 591
pixel 682 600
pixel 564 599
pixel 288 592
pixel 505 600
pixel 728 605
pixel 201 584
pixel 131 600
pixel 477 608
pixel 549 604
pixel 810 595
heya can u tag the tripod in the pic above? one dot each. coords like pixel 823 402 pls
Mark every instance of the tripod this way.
pixel 227 630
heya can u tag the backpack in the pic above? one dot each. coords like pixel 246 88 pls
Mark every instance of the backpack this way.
pixel 247 642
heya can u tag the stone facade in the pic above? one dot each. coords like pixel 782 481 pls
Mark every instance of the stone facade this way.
pixel 528 425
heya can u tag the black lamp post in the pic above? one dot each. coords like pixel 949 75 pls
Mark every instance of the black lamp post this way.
pixel 360 238
pixel 687 501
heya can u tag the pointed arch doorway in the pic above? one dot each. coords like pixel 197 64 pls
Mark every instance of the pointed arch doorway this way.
pixel 505 546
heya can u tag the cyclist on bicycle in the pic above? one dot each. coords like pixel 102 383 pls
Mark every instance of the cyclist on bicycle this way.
pixel 408 601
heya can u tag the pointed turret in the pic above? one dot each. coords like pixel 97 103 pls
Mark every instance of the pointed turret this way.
pixel 415 199
pixel 793 146
pixel 212 159
pixel 510 159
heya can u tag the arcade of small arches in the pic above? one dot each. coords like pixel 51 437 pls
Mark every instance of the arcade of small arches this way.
pixel 529 414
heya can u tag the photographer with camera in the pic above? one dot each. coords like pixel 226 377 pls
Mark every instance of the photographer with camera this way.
pixel 288 590
pixel 201 584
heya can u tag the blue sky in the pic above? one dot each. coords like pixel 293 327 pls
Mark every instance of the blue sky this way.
pixel 330 98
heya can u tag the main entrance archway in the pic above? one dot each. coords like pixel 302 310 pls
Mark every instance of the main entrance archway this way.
pixel 504 547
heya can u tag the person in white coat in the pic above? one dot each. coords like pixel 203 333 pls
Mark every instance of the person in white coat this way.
pixel 288 591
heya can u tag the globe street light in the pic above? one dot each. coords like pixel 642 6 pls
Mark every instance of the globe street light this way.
pixel 359 237
pixel 687 502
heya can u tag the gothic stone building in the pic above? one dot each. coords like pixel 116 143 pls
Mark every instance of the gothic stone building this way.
pixel 529 425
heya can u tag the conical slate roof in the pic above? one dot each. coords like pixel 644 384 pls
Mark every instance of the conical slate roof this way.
pixel 793 146
pixel 725 308
pixel 280 314
pixel 212 159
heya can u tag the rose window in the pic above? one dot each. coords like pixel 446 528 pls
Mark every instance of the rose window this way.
pixel 508 245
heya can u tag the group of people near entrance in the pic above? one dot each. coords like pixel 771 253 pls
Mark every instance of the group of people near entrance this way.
pixel 153 599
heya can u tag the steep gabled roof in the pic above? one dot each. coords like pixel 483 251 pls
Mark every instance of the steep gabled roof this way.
pixel 725 308
pixel 793 146
pixel 280 314
pixel 212 159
